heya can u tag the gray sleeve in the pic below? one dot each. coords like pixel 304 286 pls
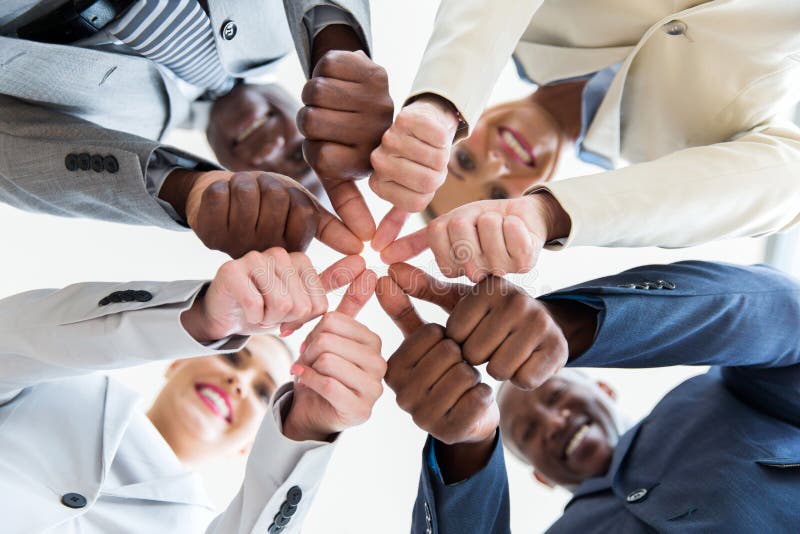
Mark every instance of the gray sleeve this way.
pixel 39 146
pixel 297 12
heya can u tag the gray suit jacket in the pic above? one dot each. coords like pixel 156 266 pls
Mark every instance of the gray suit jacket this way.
pixel 94 98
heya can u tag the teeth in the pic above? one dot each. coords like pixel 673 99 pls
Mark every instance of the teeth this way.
pixel 577 439
pixel 515 145
pixel 219 402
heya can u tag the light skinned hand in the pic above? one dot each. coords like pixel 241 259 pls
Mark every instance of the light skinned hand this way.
pixel 339 371
pixel 411 162
pixel 262 290
pixel 494 322
pixel 488 237
pixel 432 381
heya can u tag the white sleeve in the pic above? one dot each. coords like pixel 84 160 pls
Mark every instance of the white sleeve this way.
pixel 471 43
pixel 50 334
pixel 743 188
pixel 281 479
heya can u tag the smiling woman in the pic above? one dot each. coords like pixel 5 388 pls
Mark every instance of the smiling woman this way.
pixel 212 406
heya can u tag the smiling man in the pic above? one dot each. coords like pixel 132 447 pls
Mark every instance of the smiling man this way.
pixel 718 453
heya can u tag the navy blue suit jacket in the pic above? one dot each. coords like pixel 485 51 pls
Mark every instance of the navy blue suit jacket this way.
pixel 719 453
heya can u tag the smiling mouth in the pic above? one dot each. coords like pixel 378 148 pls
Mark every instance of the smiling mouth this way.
pixel 576 440
pixel 516 146
pixel 216 399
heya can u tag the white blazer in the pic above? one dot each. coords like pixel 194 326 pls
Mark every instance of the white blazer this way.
pixel 696 106
pixel 65 431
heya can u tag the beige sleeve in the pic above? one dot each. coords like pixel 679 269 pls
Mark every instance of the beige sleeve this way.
pixel 746 187
pixel 471 42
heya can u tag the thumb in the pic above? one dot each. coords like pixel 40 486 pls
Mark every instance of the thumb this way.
pixel 341 273
pixel 398 306
pixel 421 285
pixel 389 228
pixel 349 204
pixel 406 247
pixel 358 294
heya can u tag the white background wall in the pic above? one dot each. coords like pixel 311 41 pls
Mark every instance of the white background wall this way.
pixel 372 480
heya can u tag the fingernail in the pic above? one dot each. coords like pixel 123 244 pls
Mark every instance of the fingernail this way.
pixel 286 333
pixel 303 346
pixel 296 370
pixel 265 325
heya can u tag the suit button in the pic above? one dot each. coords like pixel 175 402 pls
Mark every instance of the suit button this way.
pixel 641 286
pixel 275 529
pixel 294 496
pixel 142 296
pixel 110 164
pixel 675 27
pixel 73 500
pixel 97 163
pixel 653 285
pixel 105 301
pixel 128 295
pixel 84 161
pixel 666 284
pixel 636 495
pixel 228 30
pixel 627 286
pixel 280 520
pixel 115 297
pixel 71 162
pixel 287 509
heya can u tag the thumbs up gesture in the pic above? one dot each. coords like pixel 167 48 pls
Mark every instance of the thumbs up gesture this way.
pixel 428 373
pixel 520 338
pixel 339 370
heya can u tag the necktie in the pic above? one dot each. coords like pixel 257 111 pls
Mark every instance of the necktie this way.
pixel 177 35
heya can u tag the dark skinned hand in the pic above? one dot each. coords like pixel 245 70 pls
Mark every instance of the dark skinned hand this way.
pixel 244 211
pixel 347 110
pixel 494 322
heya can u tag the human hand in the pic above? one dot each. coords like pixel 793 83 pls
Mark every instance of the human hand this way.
pixel 253 128
pixel 347 109
pixel 339 370
pixel 240 212
pixel 495 322
pixel 489 237
pixel 262 290
pixel 432 381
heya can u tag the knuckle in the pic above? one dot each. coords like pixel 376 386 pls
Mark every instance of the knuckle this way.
pixel 498 371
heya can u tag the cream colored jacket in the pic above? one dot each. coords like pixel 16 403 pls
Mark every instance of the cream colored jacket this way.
pixel 66 430
pixel 696 107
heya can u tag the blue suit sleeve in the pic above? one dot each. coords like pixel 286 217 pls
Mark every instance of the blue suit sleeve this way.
pixel 478 504
pixel 741 319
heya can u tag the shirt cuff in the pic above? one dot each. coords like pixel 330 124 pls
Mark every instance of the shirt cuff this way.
pixel 320 17
pixel 162 162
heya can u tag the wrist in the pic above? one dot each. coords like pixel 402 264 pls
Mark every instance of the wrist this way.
pixel 298 428
pixel 578 323
pixel 334 37
pixel 176 188
pixel 460 461
pixel 444 109
pixel 194 321
pixel 556 221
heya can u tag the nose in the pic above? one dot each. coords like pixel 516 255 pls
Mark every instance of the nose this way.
pixel 240 382
pixel 495 164
pixel 556 422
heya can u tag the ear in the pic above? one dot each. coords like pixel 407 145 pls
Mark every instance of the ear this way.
pixel 543 479
pixel 607 389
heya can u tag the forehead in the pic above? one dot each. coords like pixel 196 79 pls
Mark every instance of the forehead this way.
pixel 271 355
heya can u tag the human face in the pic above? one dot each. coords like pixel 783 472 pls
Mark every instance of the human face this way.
pixel 513 146
pixel 213 405
pixel 565 428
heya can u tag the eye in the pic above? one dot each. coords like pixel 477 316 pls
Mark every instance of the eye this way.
pixel 464 160
pixel 264 394
pixel 530 430
pixel 497 192
pixel 233 358
pixel 554 396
